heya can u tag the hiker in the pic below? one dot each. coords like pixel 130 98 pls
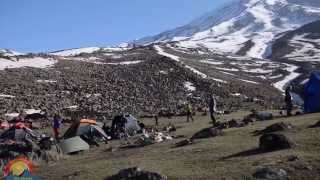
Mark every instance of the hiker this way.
pixel 156 119
pixel 288 100
pixel 56 126
pixel 189 112
pixel 212 108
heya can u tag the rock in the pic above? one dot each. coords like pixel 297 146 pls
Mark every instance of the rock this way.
pixel 247 120
pixel 207 133
pixel 136 173
pixel 184 143
pixel 264 116
pixel 271 142
pixel 274 128
pixel 292 158
pixel 267 173
pixel 232 123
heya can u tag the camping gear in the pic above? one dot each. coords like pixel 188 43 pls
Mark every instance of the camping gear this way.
pixel 126 124
pixel 35 116
pixel 74 144
pixel 19 133
pixel 4 125
pixel 312 93
pixel 86 129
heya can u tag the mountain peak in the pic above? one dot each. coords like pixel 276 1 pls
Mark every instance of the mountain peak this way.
pixel 245 24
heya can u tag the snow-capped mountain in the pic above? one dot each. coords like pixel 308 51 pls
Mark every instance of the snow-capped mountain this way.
pixel 246 27
pixel 9 53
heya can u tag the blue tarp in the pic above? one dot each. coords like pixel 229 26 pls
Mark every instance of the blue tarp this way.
pixel 312 94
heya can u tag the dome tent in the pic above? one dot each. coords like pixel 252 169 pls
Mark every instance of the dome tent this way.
pixel 87 129
pixel 312 94
pixel 126 123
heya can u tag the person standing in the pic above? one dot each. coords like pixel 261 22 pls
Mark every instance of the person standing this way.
pixel 212 108
pixel 56 126
pixel 288 100
pixel 189 112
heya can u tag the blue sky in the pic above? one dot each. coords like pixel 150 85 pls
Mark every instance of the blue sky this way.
pixel 48 25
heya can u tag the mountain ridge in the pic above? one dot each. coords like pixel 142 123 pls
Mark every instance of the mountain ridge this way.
pixel 260 21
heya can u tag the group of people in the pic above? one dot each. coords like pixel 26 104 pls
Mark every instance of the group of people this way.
pixel 212 106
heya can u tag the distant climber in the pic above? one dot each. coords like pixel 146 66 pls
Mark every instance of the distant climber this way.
pixel 212 108
pixel 189 112
pixel 156 119
pixel 288 100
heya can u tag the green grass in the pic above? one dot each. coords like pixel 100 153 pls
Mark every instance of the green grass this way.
pixel 202 160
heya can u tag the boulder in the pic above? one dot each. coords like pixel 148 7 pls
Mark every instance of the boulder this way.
pixel 246 120
pixel 271 142
pixel 232 123
pixel 136 173
pixel 274 128
pixel 207 133
pixel 267 173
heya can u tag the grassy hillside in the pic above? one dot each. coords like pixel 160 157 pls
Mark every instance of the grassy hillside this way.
pixel 223 157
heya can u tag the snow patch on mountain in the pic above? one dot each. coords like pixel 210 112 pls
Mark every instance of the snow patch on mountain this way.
pixel 74 52
pixel 176 58
pixel 36 62
pixel 163 53
pixel 281 85
pixel 125 63
pixel 189 86
pixel 306 49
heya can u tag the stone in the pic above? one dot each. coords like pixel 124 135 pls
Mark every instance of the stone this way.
pixel 267 173
pixel 274 128
pixel 136 173
pixel 271 142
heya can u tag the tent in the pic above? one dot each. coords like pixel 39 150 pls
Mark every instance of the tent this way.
pixel 126 123
pixel 312 94
pixel 86 129
pixel 19 133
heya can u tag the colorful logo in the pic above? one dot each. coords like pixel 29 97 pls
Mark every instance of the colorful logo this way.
pixel 19 169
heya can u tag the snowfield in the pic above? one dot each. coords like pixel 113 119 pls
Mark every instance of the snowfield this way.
pixel 189 86
pixel 6 96
pixel 74 52
pixel 36 62
pixel 281 85
pixel 306 49
pixel 163 53
pixel 176 58
pixel 125 63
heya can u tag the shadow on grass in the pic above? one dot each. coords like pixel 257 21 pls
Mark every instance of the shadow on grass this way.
pixel 246 153
pixel 316 125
